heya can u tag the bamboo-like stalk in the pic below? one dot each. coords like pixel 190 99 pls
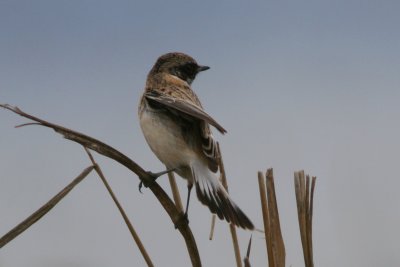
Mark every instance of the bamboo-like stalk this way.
pixel 175 191
pixel 213 218
pixel 146 177
pixel 272 229
pixel 128 223
pixel 299 189
pixel 304 198
pixel 235 243
pixel 309 221
pixel 37 215
pixel 266 220
pixel 232 227
pixel 278 246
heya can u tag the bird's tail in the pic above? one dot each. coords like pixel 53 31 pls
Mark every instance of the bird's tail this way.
pixel 211 193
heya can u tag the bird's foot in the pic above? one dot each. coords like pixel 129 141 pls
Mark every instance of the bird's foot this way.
pixel 153 178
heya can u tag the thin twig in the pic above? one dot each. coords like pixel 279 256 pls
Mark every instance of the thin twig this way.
pixel 146 177
pixel 25 224
pixel 27 124
pixel 135 236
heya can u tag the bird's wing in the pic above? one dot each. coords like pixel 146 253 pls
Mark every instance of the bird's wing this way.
pixel 209 146
pixel 185 107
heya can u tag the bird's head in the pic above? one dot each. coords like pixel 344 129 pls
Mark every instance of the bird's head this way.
pixel 178 64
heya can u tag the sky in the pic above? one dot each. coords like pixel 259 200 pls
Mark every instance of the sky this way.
pixel 310 85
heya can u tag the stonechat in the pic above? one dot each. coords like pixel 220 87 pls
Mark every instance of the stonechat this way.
pixel 177 129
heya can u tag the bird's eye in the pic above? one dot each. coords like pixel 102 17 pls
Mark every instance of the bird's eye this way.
pixel 186 72
pixel 189 68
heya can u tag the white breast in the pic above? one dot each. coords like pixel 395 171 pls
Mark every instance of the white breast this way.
pixel 165 139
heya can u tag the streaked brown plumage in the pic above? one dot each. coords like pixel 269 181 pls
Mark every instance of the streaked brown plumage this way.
pixel 178 131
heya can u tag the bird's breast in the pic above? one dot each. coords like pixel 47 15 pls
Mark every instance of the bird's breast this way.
pixel 165 139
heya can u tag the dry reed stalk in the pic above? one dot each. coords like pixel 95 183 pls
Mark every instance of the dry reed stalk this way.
pixel 235 243
pixel 272 229
pixel 304 199
pixel 175 191
pixel 266 220
pixel 278 246
pixel 213 218
pixel 146 177
pixel 232 227
pixel 309 221
pixel 128 223
pixel 37 215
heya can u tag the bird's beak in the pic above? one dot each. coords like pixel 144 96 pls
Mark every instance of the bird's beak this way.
pixel 202 68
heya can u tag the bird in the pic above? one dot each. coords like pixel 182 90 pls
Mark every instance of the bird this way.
pixel 178 131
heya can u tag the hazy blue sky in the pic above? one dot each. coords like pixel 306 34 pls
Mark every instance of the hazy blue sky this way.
pixel 297 84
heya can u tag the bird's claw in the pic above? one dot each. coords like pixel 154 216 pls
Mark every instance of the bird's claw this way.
pixel 140 187
pixel 145 184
